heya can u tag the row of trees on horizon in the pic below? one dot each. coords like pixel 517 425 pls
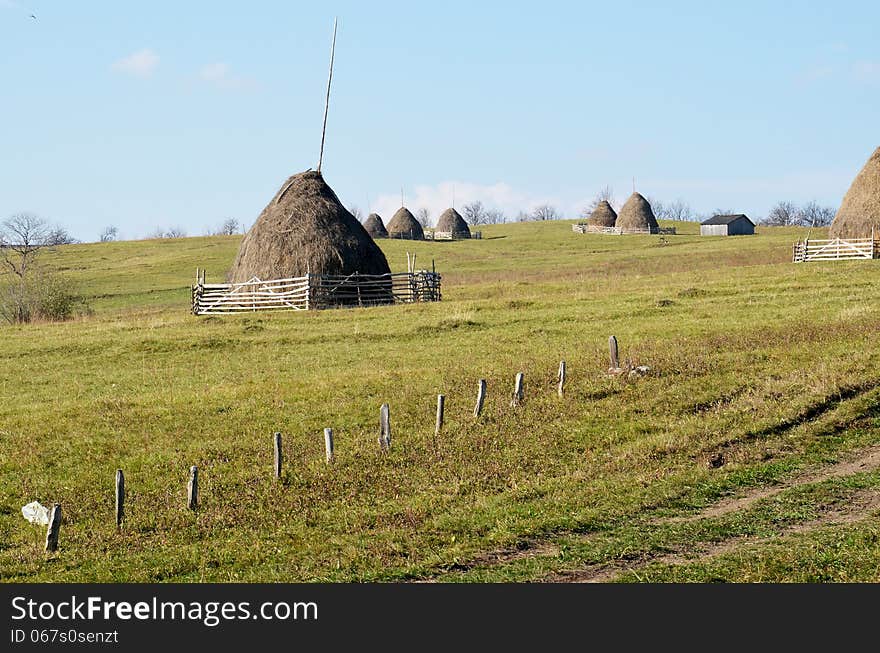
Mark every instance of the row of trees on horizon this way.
pixel 782 214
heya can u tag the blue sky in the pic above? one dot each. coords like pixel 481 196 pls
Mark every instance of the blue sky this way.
pixel 161 114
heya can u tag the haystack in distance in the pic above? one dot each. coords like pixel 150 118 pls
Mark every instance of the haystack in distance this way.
pixel 404 225
pixel 603 215
pixel 375 227
pixel 306 229
pixel 637 217
pixel 859 213
pixel 452 223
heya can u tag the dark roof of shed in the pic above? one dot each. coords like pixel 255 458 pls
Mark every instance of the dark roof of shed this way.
pixel 726 219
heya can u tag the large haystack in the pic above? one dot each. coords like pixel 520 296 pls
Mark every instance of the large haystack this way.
pixel 375 227
pixel 859 212
pixel 451 222
pixel 603 215
pixel 636 215
pixel 404 225
pixel 305 228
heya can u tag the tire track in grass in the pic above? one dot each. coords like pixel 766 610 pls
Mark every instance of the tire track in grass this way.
pixel 861 507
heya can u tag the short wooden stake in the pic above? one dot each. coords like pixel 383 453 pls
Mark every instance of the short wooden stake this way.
pixel 192 489
pixel 561 388
pixel 385 427
pixel 120 496
pixel 278 455
pixel 517 390
pixel 481 397
pixel 328 444
pixel 438 426
pixel 54 528
pixel 612 347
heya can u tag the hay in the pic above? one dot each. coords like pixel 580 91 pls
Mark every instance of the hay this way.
pixel 451 221
pixel 636 215
pixel 404 225
pixel 375 227
pixel 603 215
pixel 305 228
pixel 860 210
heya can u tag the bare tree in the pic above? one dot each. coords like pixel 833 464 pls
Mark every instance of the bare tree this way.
pixel 109 234
pixel 27 291
pixel 356 212
pixel 59 236
pixel 22 237
pixel 229 227
pixel 522 216
pixel 474 213
pixel 679 210
pixel 814 215
pixel 544 212
pixel 659 209
pixel 783 214
pixel 423 216
pixel 493 216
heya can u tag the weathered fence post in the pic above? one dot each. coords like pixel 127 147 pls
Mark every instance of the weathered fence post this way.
pixel 385 427
pixel 192 489
pixel 120 496
pixel 612 346
pixel 328 444
pixel 561 388
pixel 438 426
pixel 517 390
pixel 278 455
pixel 481 397
pixel 54 528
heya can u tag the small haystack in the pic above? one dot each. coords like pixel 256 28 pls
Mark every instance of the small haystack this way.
pixel 637 215
pixel 859 212
pixel 404 225
pixel 603 215
pixel 375 227
pixel 451 222
pixel 305 228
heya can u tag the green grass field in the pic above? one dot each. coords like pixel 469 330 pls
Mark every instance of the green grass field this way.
pixel 767 367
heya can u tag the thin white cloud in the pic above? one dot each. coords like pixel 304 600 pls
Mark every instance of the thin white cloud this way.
pixel 142 63
pixel 867 71
pixel 817 73
pixel 439 197
pixel 219 75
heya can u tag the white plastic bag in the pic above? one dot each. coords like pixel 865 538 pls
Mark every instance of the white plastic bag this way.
pixel 36 513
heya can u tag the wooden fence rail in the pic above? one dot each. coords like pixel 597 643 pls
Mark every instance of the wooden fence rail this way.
pixel 314 291
pixel 835 249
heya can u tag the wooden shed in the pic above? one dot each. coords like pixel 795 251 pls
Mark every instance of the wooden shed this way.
pixel 727 225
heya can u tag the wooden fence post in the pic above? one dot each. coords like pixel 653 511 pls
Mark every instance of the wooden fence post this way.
pixel 54 528
pixel 278 455
pixel 481 397
pixel 438 426
pixel 561 388
pixel 385 427
pixel 328 444
pixel 517 390
pixel 120 496
pixel 612 346
pixel 192 488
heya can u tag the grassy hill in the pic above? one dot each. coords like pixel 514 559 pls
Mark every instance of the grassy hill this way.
pixel 750 452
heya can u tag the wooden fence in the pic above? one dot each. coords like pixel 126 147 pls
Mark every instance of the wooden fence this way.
pixel 314 291
pixel 583 228
pixel 449 235
pixel 835 249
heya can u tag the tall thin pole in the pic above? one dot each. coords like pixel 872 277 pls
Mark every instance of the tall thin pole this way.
pixel 327 101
